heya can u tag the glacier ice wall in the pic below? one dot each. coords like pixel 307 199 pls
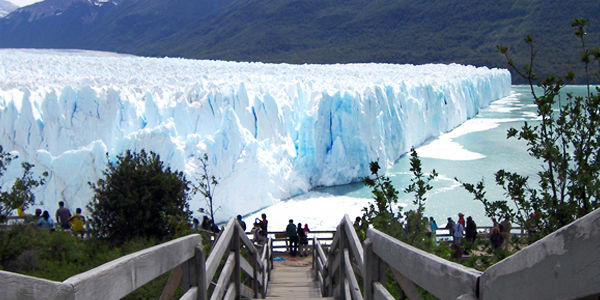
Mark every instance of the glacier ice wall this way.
pixel 270 130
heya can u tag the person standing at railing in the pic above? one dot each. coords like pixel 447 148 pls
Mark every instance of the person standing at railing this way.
pixel 241 222
pixel 471 230
pixel 292 233
pixel 450 226
pixel 302 241
pixel 264 224
pixel 77 222
pixel 458 234
pixel 45 222
pixel 256 231
pixel 63 215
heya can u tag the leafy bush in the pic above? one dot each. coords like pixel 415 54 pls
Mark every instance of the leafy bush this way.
pixel 21 192
pixel 567 144
pixel 139 197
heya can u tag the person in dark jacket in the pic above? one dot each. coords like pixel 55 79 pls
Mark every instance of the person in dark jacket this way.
pixel 496 238
pixel 471 230
pixel 302 241
pixel 292 233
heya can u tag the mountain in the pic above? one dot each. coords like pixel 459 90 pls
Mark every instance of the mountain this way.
pixel 313 31
pixel 6 7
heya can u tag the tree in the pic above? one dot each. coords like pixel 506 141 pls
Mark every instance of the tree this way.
pixel 139 197
pixel 20 193
pixel 419 184
pixel 566 141
pixel 410 226
pixel 380 213
pixel 206 186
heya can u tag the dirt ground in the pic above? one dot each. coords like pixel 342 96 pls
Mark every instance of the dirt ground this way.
pixel 292 261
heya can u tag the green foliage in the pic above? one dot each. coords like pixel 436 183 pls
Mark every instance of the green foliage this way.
pixel 567 143
pixel 20 193
pixel 410 226
pixel 206 186
pixel 419 184
pixel 60 255
pixel 139 197
pixel 380 213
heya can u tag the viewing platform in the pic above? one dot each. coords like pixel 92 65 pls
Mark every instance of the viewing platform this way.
pixel 562 265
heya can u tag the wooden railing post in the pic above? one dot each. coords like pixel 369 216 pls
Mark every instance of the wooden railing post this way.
pixel 340 258
pixel 200 268
pixel 369 270
pixel 237 267
pixel 255 264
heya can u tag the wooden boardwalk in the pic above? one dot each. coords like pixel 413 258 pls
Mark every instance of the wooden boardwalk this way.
pixel 292 278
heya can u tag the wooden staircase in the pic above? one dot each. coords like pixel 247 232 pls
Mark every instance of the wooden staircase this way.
pixel 293 279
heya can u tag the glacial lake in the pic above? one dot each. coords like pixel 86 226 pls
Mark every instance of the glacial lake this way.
pixel 473 151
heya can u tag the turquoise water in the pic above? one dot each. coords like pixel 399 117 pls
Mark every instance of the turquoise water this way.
pixel 485 151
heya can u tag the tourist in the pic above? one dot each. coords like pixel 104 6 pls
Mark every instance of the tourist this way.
pixel 292 234
pixel 256 231
pixel 214 226
pixel 21 212
pixel 206 223
pixel 63 215
pixel 450 227
pixel 264 224
pixel 461 219
pixel 505 227
pixel 36 217
pixel 302 241
pixel 496 238
pixel 195 224
pixel 77 221
pixel 432 225
pixel 45 222
pixel 458 234
pixel 471 230
pixel 241 222
pixel 306 230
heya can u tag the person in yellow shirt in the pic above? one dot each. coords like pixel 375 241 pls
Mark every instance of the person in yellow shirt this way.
pixel 20 211
pixel 77 221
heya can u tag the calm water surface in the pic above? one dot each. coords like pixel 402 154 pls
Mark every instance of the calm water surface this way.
pixel 485 150
pixel 473 151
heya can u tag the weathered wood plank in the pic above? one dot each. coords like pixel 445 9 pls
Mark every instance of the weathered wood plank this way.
pixel 218 250
pixel 120 277
pixel 347 293
pixel 380 293
pixel 409 288
pixel 353 240
pixel 354 287
pixel 17 286
pixel 172 283
pixel 200 272
pixel 246 291
pixel 245 240
pixel 442 278
pixel 224 277
pixel 247 268
pixel 230 294
pixel 191 294
pixel 563 265
pixel 322 255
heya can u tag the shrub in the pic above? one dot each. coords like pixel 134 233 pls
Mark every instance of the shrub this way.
pixel 139 197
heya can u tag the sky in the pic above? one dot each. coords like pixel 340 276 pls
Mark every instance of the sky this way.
pixel 22 3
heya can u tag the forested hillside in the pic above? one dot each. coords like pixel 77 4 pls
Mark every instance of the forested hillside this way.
pixel 315 31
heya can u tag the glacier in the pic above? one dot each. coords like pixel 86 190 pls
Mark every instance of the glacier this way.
pixel 271 131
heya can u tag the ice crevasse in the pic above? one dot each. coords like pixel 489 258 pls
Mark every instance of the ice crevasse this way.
pixel 271 131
